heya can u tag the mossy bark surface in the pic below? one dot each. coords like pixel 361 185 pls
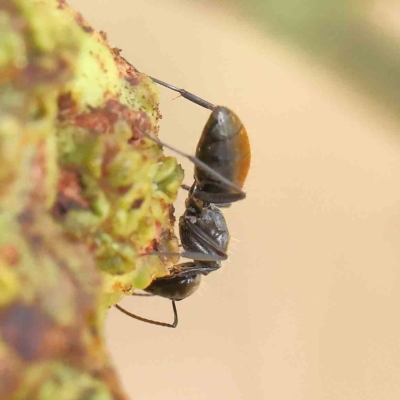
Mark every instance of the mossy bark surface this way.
pixel 83 195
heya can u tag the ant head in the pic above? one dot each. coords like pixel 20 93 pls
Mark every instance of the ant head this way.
pixel 175 286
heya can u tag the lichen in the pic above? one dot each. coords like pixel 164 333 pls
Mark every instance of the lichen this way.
pixel 84 196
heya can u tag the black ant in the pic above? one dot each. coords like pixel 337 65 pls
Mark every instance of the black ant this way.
pixel 221 164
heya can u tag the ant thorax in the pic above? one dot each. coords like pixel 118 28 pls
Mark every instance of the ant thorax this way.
pixel 203 229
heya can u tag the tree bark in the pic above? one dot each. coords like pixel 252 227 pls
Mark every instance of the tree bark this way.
pixel 82 195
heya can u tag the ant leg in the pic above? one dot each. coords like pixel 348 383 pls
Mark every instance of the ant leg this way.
pixel 192 268
pixel 213 247
pixel 193 255
pixel 220 205
pixel 224 205
pixel 187 95
pixel 150 321
pixel 223 200
pixel 214 251
pixel 142 294
pixel 201 165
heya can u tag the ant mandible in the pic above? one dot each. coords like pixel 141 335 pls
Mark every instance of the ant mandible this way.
pixel 221 163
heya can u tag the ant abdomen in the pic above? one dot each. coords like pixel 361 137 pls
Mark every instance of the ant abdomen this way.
pixel 224 146
pixel 174 286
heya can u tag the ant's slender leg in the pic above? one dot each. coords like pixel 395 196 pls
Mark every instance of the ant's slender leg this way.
pixel 192 268
pixel 224 205
pixel 150 321
pixel 189 254
pixel 185 187
pixel 187 95
pixel 142 294
pixel 214 251
pixel 199 164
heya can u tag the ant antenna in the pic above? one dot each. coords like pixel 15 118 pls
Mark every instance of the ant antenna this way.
pixel 150 321
pixel 187 95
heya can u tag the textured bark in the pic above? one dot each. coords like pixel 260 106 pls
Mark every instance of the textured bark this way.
pixel 82 195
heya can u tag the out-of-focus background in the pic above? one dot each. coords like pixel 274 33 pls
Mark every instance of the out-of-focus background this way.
pixel 307 307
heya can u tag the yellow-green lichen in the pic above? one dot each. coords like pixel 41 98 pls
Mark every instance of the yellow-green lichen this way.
pixel 84 198
pixel 169 178
pixel 9 284
pixel 51 380
pixel 12 45
pixel 50 29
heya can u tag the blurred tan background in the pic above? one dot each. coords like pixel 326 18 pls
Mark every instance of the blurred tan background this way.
pixel 307 307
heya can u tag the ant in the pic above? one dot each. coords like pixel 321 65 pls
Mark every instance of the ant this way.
pixel 221 163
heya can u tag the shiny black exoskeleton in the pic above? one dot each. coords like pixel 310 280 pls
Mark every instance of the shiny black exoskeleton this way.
pixel 221 163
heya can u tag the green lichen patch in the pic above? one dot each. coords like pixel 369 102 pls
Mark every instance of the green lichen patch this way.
pixel 115 190
pixel 50 380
